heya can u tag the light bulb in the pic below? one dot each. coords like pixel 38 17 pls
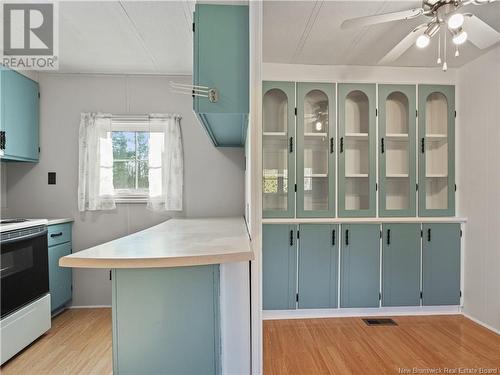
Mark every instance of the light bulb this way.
pixel 439 60
pixel 319 126
pixel 457 53
pixel 460 37
pixel 455 21
pixel 445 67
pixel 423 41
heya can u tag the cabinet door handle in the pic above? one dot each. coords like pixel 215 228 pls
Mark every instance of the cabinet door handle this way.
pixel 429 235
pixel 56 234
pixel 291 238
pixel 2 140
pixel 341 144
pixel 331 145
pixel 382 148
pixel 422 145
pixel 347 237
pixel 290 146
pixel 333 237
pixel 388 236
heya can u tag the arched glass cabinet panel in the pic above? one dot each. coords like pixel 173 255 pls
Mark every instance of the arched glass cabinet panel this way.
pixel 316 150
pixel 436 144
pixel 278 158
pixel 397 131
pixel 357 182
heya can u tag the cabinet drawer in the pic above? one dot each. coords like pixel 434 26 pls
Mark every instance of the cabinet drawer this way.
pixel 59 233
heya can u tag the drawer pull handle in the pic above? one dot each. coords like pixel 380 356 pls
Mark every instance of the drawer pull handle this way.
pixel 347 237
pixel 56 234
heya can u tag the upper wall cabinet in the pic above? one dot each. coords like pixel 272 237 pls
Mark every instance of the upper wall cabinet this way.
pixel 315 150
pixel 357 142
pixel 436 109
pixel 221 65
pixel 278 142
pixel 19 113
pixel 397 131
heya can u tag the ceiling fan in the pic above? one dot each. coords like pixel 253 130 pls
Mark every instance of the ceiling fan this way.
pixel 443 15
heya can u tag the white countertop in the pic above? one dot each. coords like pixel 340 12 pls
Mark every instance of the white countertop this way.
pixel 59 221
pixel 367 220
pixel 176 242
pixel 24 224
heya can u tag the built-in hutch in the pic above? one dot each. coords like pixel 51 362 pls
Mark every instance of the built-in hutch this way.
pixel 358 196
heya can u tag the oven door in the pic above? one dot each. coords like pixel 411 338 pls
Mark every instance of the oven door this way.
pixel 24 268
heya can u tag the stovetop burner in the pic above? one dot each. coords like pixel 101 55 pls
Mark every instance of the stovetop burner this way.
pixel 10 221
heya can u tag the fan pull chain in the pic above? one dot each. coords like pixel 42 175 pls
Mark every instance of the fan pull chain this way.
pixel 457 53
pixel 445 64
pixel 439 49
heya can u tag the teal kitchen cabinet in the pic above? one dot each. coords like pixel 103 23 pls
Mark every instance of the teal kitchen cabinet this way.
pixel 278 149
pixel 60 278
pixel 441 264
pixel 360 265
pixel 400 264
pixel 357 150
pixel 279 266
pixel 315 150
pixel 318 266
pixel 166 321
pixel 397 159
pixel 436 123
pixel 221 65
pixel 19 117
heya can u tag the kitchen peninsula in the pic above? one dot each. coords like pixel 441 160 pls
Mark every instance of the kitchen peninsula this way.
pixel 168 298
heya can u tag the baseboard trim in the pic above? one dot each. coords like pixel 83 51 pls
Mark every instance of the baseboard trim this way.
pixel 487 326
pixel 352 312
pixel 90 307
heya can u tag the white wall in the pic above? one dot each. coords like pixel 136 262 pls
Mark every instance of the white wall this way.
pixel 478 112
pixel 214 178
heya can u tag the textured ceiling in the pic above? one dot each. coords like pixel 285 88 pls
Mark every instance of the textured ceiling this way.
pixel 308 32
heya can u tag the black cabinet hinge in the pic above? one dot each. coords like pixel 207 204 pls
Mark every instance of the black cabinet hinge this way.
pixel 376 186
pixel 460 233
pixel 455 114
pixel 376 111
pixel 380 234
pixel 39 149
pixel 379 296
pixel 416 113
pixel 460 294
pixel 295 187
pixel 421 233
pixel 421 295
pixel 110 274
pixel 416 187
pixel 455 187
pixel 296 297
pixel 298 234
pixel 194 27
pixel 38 95
pixel 295 111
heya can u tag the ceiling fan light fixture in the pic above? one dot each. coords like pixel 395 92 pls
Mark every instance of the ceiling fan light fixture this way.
pixel 460 37
pixel 456 21
pixel 423 41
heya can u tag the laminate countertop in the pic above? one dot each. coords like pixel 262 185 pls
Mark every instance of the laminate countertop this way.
pixel 174 243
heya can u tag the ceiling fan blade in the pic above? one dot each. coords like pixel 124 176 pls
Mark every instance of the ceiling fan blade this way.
pixel 403 45
pixel 381 18
pixel 480 33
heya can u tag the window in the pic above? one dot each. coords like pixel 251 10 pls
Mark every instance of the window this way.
pixel 133 149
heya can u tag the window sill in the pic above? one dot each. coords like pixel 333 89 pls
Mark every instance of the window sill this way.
pixel 128 200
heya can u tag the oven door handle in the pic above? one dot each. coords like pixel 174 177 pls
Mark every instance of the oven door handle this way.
pixel 27 237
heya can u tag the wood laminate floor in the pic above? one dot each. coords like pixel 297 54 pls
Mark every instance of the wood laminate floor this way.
pixel 79 343
pixel 347 346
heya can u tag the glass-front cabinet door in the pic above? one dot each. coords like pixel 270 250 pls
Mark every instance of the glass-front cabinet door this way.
pixel 436 118
pixel 315 150
pixel 397 131
pixel 356 147
pixel 278 143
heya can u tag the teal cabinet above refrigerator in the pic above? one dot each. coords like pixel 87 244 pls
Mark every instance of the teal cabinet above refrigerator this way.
pixel 221 67
pixel 19 117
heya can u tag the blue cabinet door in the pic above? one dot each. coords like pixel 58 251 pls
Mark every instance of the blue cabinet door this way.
pixel 318 266
pixel 19 116
pixel 441 264
pixel 360 265
pixel 279 262
pixel 401 265
pixel 60 278
pixel 221 62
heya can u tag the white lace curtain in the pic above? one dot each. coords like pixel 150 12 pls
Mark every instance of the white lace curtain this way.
pixel 166 170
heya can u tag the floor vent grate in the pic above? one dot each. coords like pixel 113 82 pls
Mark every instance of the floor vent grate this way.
pixel 380 322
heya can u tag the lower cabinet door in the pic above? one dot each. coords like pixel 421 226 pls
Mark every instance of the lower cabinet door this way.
pixel 360 265
pixel 441 264
pixel 279 266
pixel 318 266
pixel 60 278
pixel 401 265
